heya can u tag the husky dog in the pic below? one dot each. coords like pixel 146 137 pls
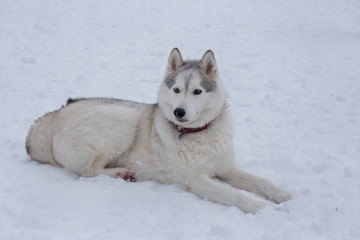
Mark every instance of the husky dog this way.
pixel 184 139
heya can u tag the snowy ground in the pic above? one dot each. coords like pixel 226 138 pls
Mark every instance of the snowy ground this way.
pixel 292 69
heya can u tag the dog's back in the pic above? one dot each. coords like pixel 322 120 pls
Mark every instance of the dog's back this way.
pixel 39 142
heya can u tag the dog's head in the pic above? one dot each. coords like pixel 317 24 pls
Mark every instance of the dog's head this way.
pixel 191 94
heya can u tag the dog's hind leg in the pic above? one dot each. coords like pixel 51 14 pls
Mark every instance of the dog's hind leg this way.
pixel 97 167
pixel 123 173
pixel 213 190
pixel 252 183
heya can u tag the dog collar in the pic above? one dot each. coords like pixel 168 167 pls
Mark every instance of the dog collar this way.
pixel 191 130
pixel 182 131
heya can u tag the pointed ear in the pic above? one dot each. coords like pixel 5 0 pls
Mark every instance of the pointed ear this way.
pixel 208 64
pixel 175 61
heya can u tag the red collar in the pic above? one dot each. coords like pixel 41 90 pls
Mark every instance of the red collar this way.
pixel 192 130
pixel 182 131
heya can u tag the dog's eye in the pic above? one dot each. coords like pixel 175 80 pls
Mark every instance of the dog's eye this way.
pixel 176 90
pixel 197 91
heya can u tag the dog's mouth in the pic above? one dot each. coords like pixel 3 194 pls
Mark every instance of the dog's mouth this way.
pixel 182 120
pixel 185 120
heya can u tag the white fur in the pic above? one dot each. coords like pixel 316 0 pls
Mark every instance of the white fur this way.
pixel 118 138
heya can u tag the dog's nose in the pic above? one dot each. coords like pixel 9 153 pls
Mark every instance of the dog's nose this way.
pixel 179 112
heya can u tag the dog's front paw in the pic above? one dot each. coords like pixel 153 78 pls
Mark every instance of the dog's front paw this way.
pixel 279 195
pixel 254 206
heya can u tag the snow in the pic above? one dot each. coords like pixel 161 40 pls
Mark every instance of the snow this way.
pixel 292 72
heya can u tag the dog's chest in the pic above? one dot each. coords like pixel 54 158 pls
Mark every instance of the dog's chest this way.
pixel 196 152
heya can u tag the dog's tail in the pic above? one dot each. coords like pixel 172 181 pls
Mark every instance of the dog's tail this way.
pixel 39 139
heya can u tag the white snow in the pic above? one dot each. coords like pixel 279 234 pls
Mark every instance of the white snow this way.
pixel 292 70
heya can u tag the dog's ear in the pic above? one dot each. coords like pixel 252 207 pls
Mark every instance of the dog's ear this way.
pixel 208 64
pixel 175 61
